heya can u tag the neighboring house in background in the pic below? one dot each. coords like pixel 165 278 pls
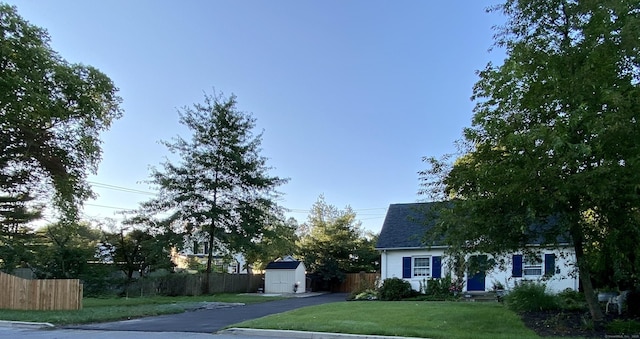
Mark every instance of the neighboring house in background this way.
pixel 286 275
pixel 196 251
pixel 404 255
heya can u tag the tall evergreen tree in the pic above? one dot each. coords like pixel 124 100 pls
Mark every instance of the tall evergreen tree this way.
pixel 331 247
pixel 555 137
pixel 220 184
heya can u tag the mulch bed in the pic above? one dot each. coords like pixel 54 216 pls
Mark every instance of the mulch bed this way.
pixel 568 324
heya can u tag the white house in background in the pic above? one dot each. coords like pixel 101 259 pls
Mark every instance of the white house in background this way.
pixel 404 255
pixel 286 275
pixel 196 248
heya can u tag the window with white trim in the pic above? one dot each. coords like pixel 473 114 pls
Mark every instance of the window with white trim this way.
pixel 421 266
pixel 532 265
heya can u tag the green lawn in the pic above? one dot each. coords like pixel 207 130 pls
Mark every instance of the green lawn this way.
pixel 110 309
pixel 402 318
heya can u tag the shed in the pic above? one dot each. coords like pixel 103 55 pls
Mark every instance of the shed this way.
pixel 285 275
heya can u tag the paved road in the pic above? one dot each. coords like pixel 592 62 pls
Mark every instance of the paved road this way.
pixel 209 321
pixel 26 333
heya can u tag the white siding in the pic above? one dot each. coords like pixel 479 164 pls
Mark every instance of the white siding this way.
pixel 283 281
pixel 279 281
pixel 565 276
pixel 301 278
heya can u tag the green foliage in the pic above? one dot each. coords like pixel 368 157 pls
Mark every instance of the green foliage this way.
pixel 395 289
pixel 220 187
pixel 52 113
pixel 335 243
pixel 552 151
pixel 65 250
pixel 277 240
pixel 633 302
pixel 624 326
pixel 369 294
pixel 439 287
pixel 530 296
pixel 137 251
pixel 571 300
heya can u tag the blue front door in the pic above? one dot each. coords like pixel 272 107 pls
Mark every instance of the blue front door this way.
pixel 476 274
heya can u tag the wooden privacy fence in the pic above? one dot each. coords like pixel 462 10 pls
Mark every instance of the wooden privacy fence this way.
pixel 193 284
pixel 43 295
pixel 356 282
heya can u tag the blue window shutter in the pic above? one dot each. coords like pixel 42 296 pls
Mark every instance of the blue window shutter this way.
pixel 406 267
pixel 517 266
pixel 549 264
pixel 436 269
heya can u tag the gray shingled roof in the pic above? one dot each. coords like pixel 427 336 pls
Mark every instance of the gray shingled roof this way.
pixel 404 226
pixel 283 265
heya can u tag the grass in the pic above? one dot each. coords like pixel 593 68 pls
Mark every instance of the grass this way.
pixel 402 318
pixel 111 309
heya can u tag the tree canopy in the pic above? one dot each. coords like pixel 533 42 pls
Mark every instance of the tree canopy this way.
pixel 554 137
pixel 335 243
pixel 219 184
pixel 51 116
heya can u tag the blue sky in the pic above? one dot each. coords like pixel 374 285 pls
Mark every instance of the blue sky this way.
pixel 350 94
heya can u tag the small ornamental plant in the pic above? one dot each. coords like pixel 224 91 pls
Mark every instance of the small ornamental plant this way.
pixel 456 286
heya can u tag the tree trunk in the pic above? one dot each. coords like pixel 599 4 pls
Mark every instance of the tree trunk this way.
pixel 205 288
pixel 585 276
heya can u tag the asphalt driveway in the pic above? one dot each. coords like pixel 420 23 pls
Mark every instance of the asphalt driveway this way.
pixel 211 320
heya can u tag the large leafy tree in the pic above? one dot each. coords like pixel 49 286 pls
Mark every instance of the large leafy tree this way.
pixel 335 243
pixel 137 250
pixel 218 183
pixel 51 115
pixel 277 240
pixel 553 150
pixel 66 250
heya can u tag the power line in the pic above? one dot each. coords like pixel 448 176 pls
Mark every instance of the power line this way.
pixel 112 207
pixel 120 188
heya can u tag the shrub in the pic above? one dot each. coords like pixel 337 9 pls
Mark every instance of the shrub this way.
pixel 531 296
pixel 366 295
pixel 439 287
pixel 571 300
pixel 619 326
pixel 633 303
pixel 395 289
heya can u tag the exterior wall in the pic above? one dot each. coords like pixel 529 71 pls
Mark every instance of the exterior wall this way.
pixel 283 281
pixel 279 281
pixel 301 278
pixel 391 264
pixel 565 276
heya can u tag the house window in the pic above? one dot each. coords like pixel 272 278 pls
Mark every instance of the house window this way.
pixel 422 266
pixel 532 265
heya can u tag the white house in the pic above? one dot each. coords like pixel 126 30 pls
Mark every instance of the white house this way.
pixel 285 276
pixel 404 255
pixel 196 250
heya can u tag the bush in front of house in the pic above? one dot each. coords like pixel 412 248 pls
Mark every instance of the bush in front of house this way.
pixel 531 296
pixel 368 294
pixel 571 300
pixel 395 289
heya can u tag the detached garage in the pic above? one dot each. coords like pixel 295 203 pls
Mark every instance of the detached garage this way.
pixel 286 275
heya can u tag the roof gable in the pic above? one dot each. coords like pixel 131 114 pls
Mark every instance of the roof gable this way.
pixel 286 263
pixel 404 226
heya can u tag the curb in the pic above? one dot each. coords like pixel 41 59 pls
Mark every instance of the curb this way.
pixel 304 334
pixel 25 324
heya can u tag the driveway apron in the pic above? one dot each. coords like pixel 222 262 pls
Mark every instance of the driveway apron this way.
pixel 211 320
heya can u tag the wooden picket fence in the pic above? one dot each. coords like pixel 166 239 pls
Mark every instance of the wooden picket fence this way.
pixel 358 281
pixel 44 295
